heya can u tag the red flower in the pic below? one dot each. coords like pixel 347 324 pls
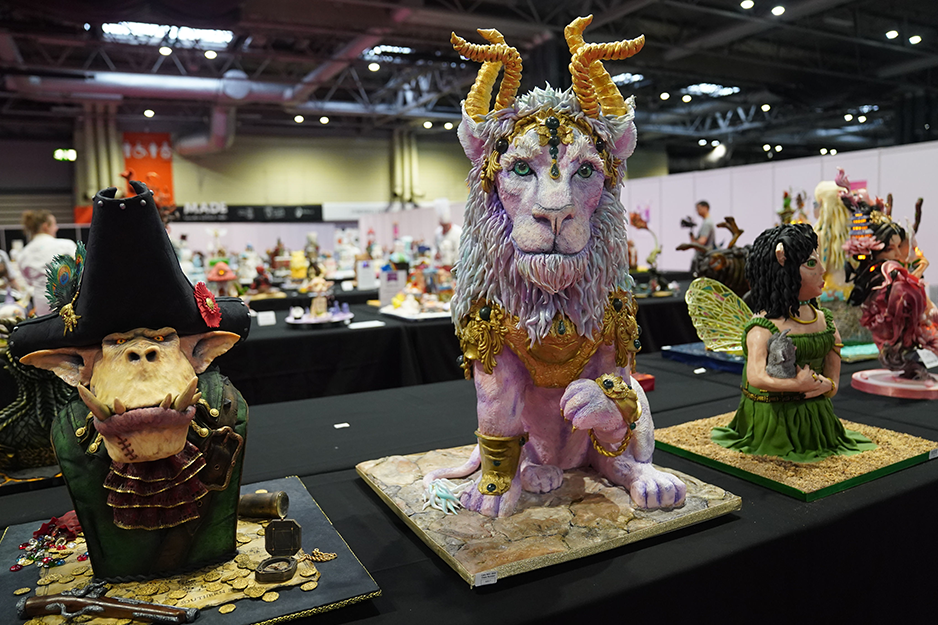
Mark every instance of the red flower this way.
pixel 211 313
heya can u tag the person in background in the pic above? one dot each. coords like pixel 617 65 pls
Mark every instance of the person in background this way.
pixel 707 235
pixel 40 227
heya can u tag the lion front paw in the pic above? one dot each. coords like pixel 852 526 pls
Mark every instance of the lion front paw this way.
pixel 651 488
pixel 491 505
pixel 541 478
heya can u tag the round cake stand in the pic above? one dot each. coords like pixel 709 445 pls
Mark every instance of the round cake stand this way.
pixel 886 382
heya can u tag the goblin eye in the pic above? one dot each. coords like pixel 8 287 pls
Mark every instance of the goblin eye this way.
pixel 158 339
pixel 522 168
pixel 585 170
pixel 120 341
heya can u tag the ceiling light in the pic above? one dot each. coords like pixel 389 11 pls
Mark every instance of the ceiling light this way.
pixel 710 89
pixel 428 125
pixel 914 39
pixel 861 118
pixel 715 143
pixel 823 151
pixel 766 147
pixel 627 78
pixel 87 26
pixel 665 95
pixel 373 67
pixel 701 142
pixel 779 10
pixel 210 54
pixel 299 119
pixel 778 148
pixel 148 113
pixel 140 33
pixel 747 4
pixel 848 117
pixel 166 50
pixel 63 154
pixel 833 152
pixel 892 34
pixel 324 120
pixel 686 98
pixel 448 125
pixel 766 108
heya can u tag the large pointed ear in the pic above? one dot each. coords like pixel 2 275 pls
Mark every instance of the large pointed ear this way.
pixel 625 142
pixel 202 349
pixel 472 144
pixel 74 365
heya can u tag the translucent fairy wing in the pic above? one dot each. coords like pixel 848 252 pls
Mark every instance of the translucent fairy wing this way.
pixel 718 314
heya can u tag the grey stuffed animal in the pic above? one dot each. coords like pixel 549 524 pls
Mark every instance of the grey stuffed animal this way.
pixel 780 362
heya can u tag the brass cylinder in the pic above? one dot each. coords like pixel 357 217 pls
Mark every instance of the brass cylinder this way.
pixel 264 505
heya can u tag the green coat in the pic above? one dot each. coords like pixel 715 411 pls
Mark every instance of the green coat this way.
pixel 118 553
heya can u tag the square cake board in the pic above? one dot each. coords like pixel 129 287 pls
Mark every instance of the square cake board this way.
pixel 585 516
pixel 804 481
pixel 343 581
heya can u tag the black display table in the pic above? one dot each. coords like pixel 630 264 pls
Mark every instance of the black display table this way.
pixel 280 363
pixel 859 556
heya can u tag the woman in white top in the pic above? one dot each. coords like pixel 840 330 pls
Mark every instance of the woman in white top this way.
pixel 40 227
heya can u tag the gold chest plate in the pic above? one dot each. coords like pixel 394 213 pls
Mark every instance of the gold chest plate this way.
pixel 560 357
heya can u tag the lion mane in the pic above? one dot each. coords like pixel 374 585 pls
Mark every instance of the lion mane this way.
pixel 489 265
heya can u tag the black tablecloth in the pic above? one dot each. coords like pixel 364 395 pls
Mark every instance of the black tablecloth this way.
pixel 862 555
pixel 281 363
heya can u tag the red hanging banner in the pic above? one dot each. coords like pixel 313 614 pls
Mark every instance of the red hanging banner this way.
pixel 148 157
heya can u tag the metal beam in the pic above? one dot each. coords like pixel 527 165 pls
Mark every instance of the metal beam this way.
pixel 750 26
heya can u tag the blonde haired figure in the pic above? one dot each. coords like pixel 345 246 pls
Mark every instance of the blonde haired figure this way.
pixel 833 230
pixel 40 227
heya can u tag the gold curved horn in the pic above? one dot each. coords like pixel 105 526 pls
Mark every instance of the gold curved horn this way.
pixel 492 57
pixel 591 82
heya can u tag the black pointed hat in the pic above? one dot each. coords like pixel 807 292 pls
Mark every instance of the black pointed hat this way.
pixel 131 279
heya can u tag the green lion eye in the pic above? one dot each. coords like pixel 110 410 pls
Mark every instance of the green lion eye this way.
pixel 522 168
pixel 585 170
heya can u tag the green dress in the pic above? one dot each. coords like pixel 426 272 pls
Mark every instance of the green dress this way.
pixel 784 424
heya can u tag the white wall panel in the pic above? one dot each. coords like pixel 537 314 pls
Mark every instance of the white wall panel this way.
pixel 753 188
pixel 908 173
pixel 677 201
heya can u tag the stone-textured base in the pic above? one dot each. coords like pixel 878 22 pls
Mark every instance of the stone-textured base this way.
pixel 805 481
pixel 586 515
pixel 889 384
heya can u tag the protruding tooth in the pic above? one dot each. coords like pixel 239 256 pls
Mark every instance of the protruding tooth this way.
pixel 95 405
pixel 187 397
pixel 119 406
pixel 167 401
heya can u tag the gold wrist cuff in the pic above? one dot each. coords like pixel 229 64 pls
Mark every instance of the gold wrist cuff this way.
pixel 833 390
pixel 500 458
pixel 615 388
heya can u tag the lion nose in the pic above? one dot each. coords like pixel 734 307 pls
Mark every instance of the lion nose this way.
pixel 553 217
pixel 151 355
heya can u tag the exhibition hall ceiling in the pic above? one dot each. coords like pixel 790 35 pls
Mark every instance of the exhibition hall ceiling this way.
pixel 718 81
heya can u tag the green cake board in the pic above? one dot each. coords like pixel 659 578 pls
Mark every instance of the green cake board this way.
pixel 804 481
pixel 343 581
pixel 585 516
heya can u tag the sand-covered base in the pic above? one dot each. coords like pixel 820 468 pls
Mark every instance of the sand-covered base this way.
pixel 892 448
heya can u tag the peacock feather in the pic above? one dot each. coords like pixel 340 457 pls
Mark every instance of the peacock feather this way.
pixel 63 275
pixel 719 315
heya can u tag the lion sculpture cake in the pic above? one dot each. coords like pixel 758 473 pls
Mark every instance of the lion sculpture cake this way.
pixel 543 305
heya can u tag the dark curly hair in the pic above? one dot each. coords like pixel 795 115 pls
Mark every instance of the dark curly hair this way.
pixel 867 275
pixel 774 287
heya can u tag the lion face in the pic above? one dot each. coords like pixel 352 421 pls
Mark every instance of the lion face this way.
pixel 550 203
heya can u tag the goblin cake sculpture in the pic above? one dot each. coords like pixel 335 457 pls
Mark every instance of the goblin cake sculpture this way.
pixel 542 305
pixel 152 446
